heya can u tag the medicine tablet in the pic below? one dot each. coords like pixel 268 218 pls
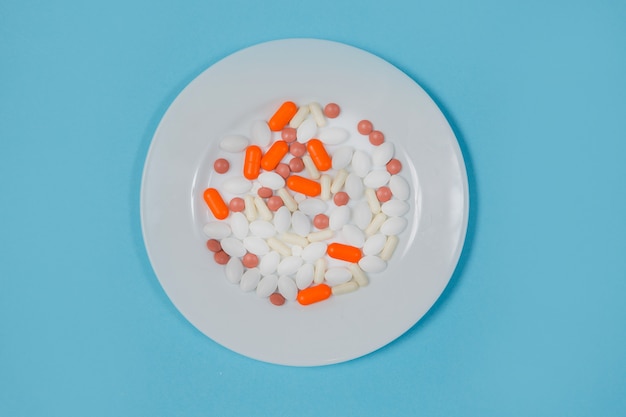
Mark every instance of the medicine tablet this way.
pixel 250 279
pixel 269 263
pixel 342 157
pixel 333 135
pixel 282 219
pixel 234 143
pixel 234 270
pixel 372 264
pixel 262 228
pixel 399 187
pixel 393 226
pixel 289 265
pixel 239 225
pixel 312 206
pixel 266 286
pixel 233 247
pixel 361 163
pixel 338 217
pixel 256 245
pixel 395 208
pixel 314 251
pixel 274 181
pixel 287 288
pixel 301 223
pixel 337 275
pixel 217 230
pixel 353 235
pixel 382 154
pixel 237 185
pixel 304 276
pixel 354 186
pixel 306 131
pixel 361 215
pixel 374 244
pixel 261 133
pixel 376 179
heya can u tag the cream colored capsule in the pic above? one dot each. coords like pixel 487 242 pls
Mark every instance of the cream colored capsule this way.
pixel 310 167
pixel 345 288
pixel 372 200
pixel 320 271
pixel 375 224
pixel 389 248
pixel 339 181
pixel 318 115
pixel 299 117
pixel 358 275
pixel 288 199
pixel 264 212
pixel 250 208
pixel 279 246
pixel 294 239
pixel 325 186
pixel 320 236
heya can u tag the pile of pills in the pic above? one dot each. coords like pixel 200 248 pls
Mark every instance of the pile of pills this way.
pixel 308 216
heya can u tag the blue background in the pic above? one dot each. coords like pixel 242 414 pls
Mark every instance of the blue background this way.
pixel 533 321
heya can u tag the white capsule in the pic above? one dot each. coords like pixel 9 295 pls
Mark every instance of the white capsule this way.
pixel 234 270
pixel 237 185
pixel 279 246
pixel 234 143
pixel 361 215
pixel 374 244
pixel 319 271
pixel 269 263
pixel 233 247
pixel 216 230
pixel 249 208
pixel 271 180
pixel 300 223
pixel 266 286
pixel 358 275
pixel 342 157
pixel 325 187
pixel 338 217
pixel 354 186
pixel 312 206
pixel 250 279
pixel 353 235
pixel 375 224
pixel 287 287
pixel 288 199
pixel 361 163
pixel 306 130
pixel 395 208
pixel 399 187
pixel 390 247
pixel 382 154
pixel 304 276
pixel 372 200
pixel 372 264
pixel 239 225
pixel 393 226
pixel 345 288
pixel 264 212
pixel 282 219
pixel 318 115
pixel 320 236
pixel 294 239
pixel 333 135
pixel 337 275
pixel 256 245
pixel 261 133
pixel 339 181
pixel 299 117
pixel 310 167
pixel 262 228
pixel 289 265
pixel 313 251
pixel 376 179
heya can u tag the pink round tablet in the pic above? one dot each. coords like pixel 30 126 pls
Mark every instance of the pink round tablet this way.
pixel 213 245
pixel 221 166
pixel 274 203
pixel 364 127
pixel 277 299
pixel 341 198
pixel 376 137
pixel 297 149
pixel 332 110
pixel 296 164
pixel 383 194
pixel 250 260
pixel 394 166
pixel 283 170
pixel 221 257
pixel 320 221
pixel 288 134
pixel 236 204
pixel 265 192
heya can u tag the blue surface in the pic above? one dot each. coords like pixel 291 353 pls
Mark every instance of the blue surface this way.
pixel 533 321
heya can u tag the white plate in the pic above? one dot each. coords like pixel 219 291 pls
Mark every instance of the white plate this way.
pixel 251 84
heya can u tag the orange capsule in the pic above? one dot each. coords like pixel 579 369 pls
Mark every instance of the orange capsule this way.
pixel 274 155
pixel 304 185
pixel 216 203
pixel 319 155
pixel 252 162
pixel 282 116
pixel 344 252
pixel 314 294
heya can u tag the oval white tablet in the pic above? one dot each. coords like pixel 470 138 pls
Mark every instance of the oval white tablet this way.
pixel 261 133
pixel 237 185
pixel 376 179
pixel 233 247
pixel 266 286
pixel 234 143
pixel 361 163
pixel 216 230
pixel 342 157
pixel 239 225
pixel 333 135
pixel 399 187
pixel 234 270
pixel 262 228
pixel 372 264
pixel 271 180
pixel 394 208
pixel 337 275
pixel 382 154
pixel 393 226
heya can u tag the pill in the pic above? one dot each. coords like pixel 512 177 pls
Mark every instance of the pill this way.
pixel 375 224
pixel 288 199
pixel 299 117
pixel 216 203
pixel 331 110
pixel 294 239
pixel 250 279
pixel 300 223
pixel 288 134
pixel 274 203
pixel 296 164
pixel 306 131
pixel 339 181
pixel 274 155
pixel 250 208
pixel 297 149
pixel 383 194
pixel 279 246
pixel 389 248
pixel 319 270
pixel 234 270
pixel 333 135
pixel 399 187
pixel 216 230
pixel 221 257
pixel 313 251
pixel 263 211
pixel 354 186
pixel 353 235
pixel 303 185
pixel 266 286
pixel 364 127
pixel 256 245
pixel 287 288
pixel 314 294
pixel 338 217
pixel 269 263
pixel 265 192
pixel 376 137
pixel 239 225
pixel 382 154
pixel 277 299
pixel 304 276
pixel 274 181
pixel 261 133
pixel 234 143
pixel 344 252
pixel 250 260
pixel 213 245
pixel 372 264
pixel 296 250
pixel 282 220
pixel 325 181
pixel 372 200
pixel 236 204
pixel 312 206
pixel 394 166
pixel 318 154
pixel 337 275
pixel 320 221
pixel 237 185
pixel 345 288
pixel 282 116
pixel 393 226
pixel 374 244
pixel 358 275
pixel 252 162
pixel 376 179
pixel 289 265
pixel 317 113
pixel 395 208
pixel 233 247
pixel 361 163
pixel 361 215
pixel 310 167
pixel 262 228
pixel 283 170
pixel 221 166
pixel 342 157
pixel 320 236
